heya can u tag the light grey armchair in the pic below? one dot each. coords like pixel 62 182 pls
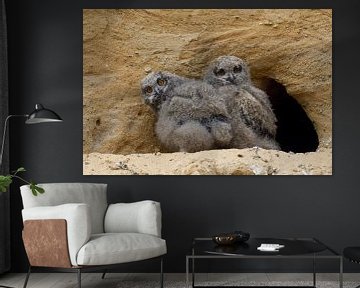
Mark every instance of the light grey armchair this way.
pixel 71 228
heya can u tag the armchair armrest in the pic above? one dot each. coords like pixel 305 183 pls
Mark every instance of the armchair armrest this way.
pixel 138 217
pixel 78 225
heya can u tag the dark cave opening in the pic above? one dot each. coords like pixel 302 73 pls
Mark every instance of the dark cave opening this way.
pixel 296 132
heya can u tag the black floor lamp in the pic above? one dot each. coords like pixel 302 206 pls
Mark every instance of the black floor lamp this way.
pixel 39 115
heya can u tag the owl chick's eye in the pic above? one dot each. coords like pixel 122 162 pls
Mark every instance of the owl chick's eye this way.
pixel 148 89
pixel 161 82
pixel 220 72
pixel 237 69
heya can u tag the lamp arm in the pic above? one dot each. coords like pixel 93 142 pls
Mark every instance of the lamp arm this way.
pixel 4 134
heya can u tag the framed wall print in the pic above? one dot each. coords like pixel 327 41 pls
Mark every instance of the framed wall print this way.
pixel 207 92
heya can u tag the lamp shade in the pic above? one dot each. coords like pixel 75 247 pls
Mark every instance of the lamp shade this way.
pixel 42 115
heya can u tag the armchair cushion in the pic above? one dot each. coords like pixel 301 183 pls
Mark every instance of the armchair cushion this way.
pixel 113 248
pixel 78 221
pixel 138 217
pixel 55 194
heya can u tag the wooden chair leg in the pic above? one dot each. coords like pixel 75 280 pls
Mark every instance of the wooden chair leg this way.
pixel 27 277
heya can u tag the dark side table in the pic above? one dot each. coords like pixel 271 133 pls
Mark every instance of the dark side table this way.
pixel 294 248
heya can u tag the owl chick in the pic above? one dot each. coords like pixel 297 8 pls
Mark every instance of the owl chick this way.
pixel 231 70
pixel 156 85
pixel 248 130
pixel 190 116
pixel 175 135
pixel 198 101
pixel 231 76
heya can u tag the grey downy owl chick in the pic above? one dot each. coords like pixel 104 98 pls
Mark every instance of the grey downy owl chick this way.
pixel 186 122
pixel 232 70
pixel 156 85
pixel 190 136
pixel 249 104
pixel 248 119
pixel 198 101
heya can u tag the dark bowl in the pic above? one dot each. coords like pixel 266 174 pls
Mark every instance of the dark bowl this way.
pixel 225 239
pixel 241 236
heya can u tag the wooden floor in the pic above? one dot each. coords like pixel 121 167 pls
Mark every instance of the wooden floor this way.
pixel 113 280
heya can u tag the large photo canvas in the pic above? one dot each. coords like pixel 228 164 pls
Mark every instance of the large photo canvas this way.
pixel 207 92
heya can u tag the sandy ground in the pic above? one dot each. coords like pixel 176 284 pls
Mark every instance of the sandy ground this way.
pixel 253 161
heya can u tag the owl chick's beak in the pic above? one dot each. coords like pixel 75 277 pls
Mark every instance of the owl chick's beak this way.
pixel 149 100
pixel 231 78
pixel 156 90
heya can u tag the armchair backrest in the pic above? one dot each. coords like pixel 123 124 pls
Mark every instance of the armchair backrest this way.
pixel 55 194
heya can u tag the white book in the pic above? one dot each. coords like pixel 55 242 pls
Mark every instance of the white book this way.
pixel 270 247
